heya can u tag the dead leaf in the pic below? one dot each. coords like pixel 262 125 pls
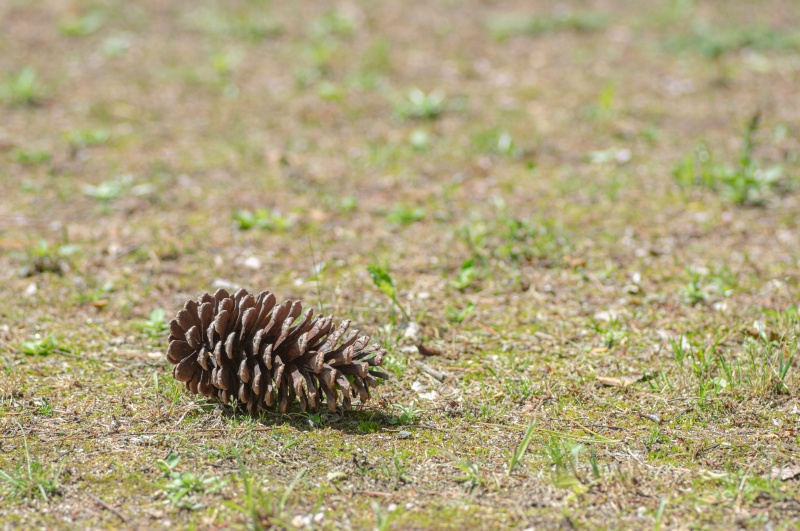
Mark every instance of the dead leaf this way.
pixel 617 382
pixel 651 417
pixel 784 473
pixel 428 351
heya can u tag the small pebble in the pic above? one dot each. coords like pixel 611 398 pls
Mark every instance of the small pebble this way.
pixel 404 434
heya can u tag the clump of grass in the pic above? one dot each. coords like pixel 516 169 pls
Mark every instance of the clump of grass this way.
pixel 262 509
pixel 82 26
pixel 563 456
pixel 761 367
pixel 744 184
pixel 704 284
pixel 421 105
pixel 155 325
pixel 22 88
pixel 384 282
pixel 459 315
pixel 31 156
pixel 30 481
pixel 472 476
pixel 108 191
pixel 408 414
pixel 82 138
pixel 403 214
pixel 513 239
pixel 182 488
pixel 466 275
pixel 262 218
pixel 40 346
pixel 44 258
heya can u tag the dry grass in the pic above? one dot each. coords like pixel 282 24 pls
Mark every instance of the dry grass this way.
pixel 567 207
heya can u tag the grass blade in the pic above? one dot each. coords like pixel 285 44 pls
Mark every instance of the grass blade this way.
pixel 523 446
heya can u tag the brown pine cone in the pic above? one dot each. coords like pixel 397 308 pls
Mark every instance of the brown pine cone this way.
pixel 248 348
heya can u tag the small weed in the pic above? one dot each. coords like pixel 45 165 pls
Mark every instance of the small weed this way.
pixel 693 292
pixel 261 508
pixel 458 315
pixel 113 189
pixel 40 346
pixel 31 156
pixel 594 465
pixel 768 364
pixel 169 388
pixel 182 488
pixel 22 88
pixel 408 414
pixel 654 438
pixel 32 481
pixel 466 275
pixel 155 326
pixel 97 296
pixel 402 214
pixel 513 239
pixel 82 138
pixel 472 472
pixel 82 26
pixel 612 334
pixel 746 183
pixel 384 282
pixel 703 284
pixel 45 408
pixel 314 420
pixel 519 389
pixel 420 105
pixel 563 457
pixel 261 219
pixel 602 109
pixel 42 258
pixel 347 204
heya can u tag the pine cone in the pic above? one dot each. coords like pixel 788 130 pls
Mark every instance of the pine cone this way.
pixel 243 346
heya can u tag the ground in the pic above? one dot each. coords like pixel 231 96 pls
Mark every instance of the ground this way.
pixel 589 211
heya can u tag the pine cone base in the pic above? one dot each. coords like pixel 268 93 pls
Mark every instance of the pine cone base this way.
pixel 249 349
